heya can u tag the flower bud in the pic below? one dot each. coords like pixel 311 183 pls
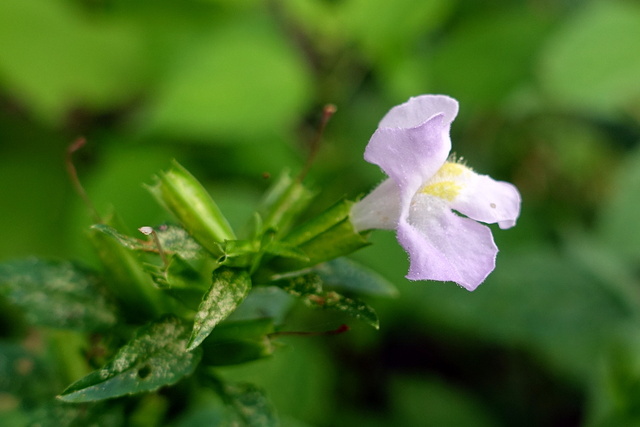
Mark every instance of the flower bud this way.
pixel 182 195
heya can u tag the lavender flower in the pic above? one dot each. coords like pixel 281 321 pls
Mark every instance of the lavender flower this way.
pixel 425 185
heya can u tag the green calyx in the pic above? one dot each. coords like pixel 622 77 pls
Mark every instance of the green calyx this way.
pixel 182 195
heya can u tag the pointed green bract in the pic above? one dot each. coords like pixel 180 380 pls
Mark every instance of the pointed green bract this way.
pixel 155 357
pixel 325 237
pixel 284 201
pixel 286 250
pixel 182 195
pixel 57 294
pixel 320 224
pixel 228 289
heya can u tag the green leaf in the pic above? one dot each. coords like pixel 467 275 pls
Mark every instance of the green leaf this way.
pixel 126 278
pixel 309 288
pixel 617 384
pixel 229 288
pixel 180 278
pixel 57 294
pixel 593 62
pixel 471 45
pixel 447 404
pixel 238 342
pixel 173 240
pixel 126 241
pixel 25 375
pixel 155 357
pixel 76 74
pixel 384 30
pixel 251 405
pixel 176 240
pixel 347 274
pixel 331 300
pixel 241 80
pixel 62 414
pixel 617 225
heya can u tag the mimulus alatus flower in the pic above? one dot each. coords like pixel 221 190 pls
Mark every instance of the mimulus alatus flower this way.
pixel 425 187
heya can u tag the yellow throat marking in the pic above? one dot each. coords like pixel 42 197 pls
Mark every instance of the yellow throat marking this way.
pixel 443 184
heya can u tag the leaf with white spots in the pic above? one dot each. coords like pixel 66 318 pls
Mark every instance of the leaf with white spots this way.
pixel 172 238
pixel 57 294
pixel 155 357
pixel 308 287
pixel 346 274
pixel 251 405
pixel 228 289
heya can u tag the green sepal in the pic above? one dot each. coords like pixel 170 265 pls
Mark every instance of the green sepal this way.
pixel 329 235
pixel 126 277
pixel 249 253
pixel 57 294
pixel 282 204
pixel 228 289
pixel 286 250
pixel 182 195
pixel 232 343
pixel 308 287
pixel 239 253
pixel 154 358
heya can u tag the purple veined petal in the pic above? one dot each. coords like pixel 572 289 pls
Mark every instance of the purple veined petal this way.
pixel 419 109
pixel 410 156
pixel 484 199
pixel 444 246
pixel 380 209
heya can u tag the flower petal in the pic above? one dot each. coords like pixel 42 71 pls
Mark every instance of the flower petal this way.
pixel 444 246
pixel 410 156
pixel 485 199
pixel 420 109
pixel 380 209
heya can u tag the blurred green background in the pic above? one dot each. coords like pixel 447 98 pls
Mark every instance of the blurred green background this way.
pixel 549 96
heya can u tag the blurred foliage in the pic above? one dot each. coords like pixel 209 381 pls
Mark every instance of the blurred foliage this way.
pixel 550 100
